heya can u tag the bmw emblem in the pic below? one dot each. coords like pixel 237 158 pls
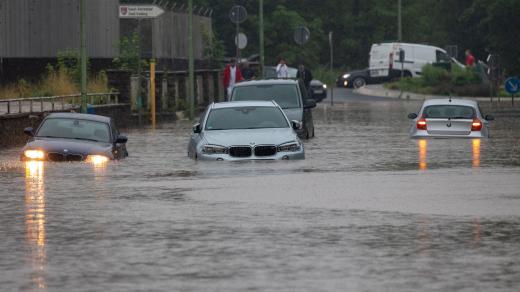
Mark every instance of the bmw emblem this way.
pixel 65 150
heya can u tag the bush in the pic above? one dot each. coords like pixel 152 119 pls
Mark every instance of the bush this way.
pixel 433 76
pixel 464 76
pixel 326 76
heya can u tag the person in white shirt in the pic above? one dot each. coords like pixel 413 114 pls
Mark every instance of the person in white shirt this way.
pixel 281 69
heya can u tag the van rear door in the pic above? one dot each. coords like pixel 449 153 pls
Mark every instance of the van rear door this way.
pixel 379 61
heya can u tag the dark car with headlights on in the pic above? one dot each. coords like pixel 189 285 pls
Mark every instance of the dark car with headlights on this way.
pixel 74 137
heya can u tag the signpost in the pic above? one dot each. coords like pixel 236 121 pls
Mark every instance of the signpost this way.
pixel 238 14
pixel 301 35
pixel 140 12
pixel 512 86
pixel 241 41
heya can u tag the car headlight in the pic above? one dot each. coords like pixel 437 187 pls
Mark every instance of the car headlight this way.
pixel 97 159
pixel 289 147
pixel 346 76
pixel 214 149
pixel 324 86
pixel 34 154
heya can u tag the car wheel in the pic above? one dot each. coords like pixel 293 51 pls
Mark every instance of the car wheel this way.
pixel 359 82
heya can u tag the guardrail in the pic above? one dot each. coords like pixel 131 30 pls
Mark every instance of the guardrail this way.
pixel 52 103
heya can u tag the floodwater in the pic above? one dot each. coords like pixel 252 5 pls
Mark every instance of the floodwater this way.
pixel 368 210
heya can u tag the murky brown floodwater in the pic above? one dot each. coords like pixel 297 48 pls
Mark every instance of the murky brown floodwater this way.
pixel 368 210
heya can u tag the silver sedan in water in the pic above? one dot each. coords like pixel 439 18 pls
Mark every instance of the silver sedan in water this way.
pixel 245 130
pixel 449 118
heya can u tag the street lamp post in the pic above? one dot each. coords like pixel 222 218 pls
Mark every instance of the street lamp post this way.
pixel 191 89
pixel 399 23
pixel 261 32
pixel 83 53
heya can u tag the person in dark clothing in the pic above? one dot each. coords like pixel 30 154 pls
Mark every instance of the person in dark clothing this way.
pixel 305 75
pixel 247 72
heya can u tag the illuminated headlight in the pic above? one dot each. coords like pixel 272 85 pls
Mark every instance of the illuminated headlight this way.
pixel 214 149
pixel 346 76
pixel 97 159
pixel 34 154
pixel 289 147
pixel 324 86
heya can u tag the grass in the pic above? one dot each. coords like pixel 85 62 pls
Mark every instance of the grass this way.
pixel 53 83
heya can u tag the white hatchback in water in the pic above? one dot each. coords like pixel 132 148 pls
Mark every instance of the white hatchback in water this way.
pixel 449 118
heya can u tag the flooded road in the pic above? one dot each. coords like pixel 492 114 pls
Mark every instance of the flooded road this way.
pixel 368 210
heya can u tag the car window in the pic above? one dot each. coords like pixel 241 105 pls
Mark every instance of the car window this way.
pixel 442 57
pixel 74 129
pixel 245 118
pixel 286 95
pixel 449 111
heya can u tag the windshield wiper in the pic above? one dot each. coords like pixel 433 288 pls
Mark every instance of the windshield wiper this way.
pixel 86 139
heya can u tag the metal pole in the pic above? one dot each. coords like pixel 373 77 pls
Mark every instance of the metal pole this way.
pixel 139 81
pixel 261 32
pixel 399 23
pixel 152 90
pixel 236 43
pixel 191 89
pixel 331 69
pixel 83 52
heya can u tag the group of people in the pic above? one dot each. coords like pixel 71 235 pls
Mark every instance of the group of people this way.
pixel 233 74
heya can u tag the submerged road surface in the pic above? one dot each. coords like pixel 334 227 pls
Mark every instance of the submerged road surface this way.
pixel 368 210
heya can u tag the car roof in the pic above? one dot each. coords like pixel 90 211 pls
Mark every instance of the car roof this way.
pixel 88 117
pixel 446 101
pixel 246 103
pixel 267 82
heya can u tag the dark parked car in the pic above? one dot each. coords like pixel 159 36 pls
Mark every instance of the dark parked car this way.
pixel 75 137
pixel 318 90
pixel 288 93
pixel 360 78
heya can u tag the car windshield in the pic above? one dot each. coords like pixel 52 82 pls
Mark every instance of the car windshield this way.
pixel 270 72
pixel 449 111
pixel 286 95
pixel 74 129
pixel 246 118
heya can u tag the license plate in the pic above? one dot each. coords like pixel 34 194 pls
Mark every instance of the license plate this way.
pixel 318 91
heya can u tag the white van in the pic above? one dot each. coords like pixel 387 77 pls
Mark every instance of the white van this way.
pixel 384 59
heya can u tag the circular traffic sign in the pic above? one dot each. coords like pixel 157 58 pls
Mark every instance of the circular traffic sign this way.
pixel 301 35
pixel 237 14
pixel 512 85
pixel 242 40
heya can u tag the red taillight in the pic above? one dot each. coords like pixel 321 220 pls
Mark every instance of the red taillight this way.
pixel 476 125
pixel 390 61
pixel 421 124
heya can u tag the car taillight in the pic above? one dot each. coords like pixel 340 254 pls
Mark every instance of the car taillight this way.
pixel 476 125
pixel 421 124
pixel 390 61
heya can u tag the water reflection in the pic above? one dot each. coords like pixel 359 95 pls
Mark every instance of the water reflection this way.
pixel 35 220
pixel 423 149
pixel 475 159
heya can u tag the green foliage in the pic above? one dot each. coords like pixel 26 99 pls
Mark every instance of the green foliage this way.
pixel 129 54
pixel 326 76
pixel 213 47
pixel 69 62
pixel 432 76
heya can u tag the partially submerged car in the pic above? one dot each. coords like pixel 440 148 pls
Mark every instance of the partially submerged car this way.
pixel 74 137
pixel 449 118
pixel 289 94
pixel 245 130
pixel 318 89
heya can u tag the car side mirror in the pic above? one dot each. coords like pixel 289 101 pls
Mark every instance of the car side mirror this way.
pixel 296 125
pixel 196 128
pixel 412 116
pixel 29 131
pixel 121 139
pixel 489 118
pixel 310 103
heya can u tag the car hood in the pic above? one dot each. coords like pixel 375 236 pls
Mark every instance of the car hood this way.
pixel 315 82
pixel 250 136
pixel 293 113
pixel 71 146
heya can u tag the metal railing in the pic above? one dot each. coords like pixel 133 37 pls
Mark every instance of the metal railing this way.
pixel 53 103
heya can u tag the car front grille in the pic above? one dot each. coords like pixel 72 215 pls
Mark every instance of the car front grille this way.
pixel 58 157
pixel 240 151
pixel 265 150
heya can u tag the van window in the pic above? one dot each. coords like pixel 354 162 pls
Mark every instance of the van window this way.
pixel 442 57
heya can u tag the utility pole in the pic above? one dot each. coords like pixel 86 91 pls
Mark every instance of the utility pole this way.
pixel 331 68
pixel 191 89
pixel 261 30
pixel 83 53
pixel 399 23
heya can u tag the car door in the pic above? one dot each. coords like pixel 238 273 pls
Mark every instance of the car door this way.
pixel 197 137
pixel 118 149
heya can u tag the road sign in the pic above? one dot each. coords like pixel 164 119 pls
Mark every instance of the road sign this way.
pixel 301 35
pixel 242 40
pixel 512 85
pixel 238 14
pixel 140 11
